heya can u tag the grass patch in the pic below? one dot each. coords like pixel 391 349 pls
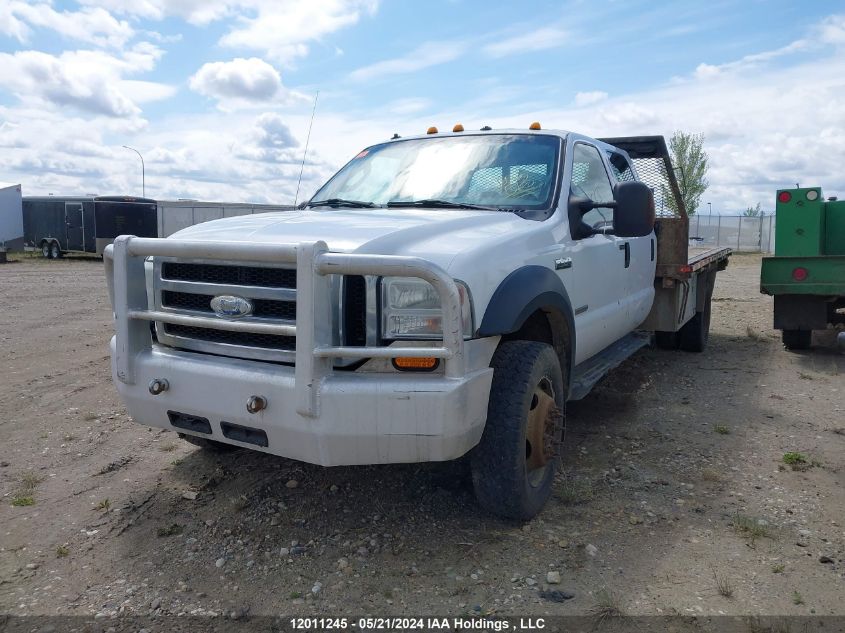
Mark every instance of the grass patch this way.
pixel 749 527
pixel 239 503
pixel 711 474
pixel 804 376
pixel 607 606
pixel 25 495
pixel 723 585
pixel 798 461
pixel 295 594
pixel 104 505
pixel 721 429
pixel 62 551
pixel 797 598
pixel 172 530
pixel 574 492
pixel 778 568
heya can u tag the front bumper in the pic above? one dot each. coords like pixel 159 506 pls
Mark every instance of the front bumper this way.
pixel 364 417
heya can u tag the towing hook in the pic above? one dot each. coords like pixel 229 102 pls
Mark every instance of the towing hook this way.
pixel 256 404
pixel 158 385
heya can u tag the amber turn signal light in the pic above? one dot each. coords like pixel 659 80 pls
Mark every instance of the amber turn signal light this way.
pixel 426 363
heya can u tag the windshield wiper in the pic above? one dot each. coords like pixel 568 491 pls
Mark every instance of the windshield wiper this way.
pixel 442 204
pixel 340 202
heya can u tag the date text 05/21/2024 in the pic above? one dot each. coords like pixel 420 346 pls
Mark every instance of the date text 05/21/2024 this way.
pixel 417 624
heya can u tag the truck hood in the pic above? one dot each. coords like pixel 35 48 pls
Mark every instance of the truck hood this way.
pixel 436 234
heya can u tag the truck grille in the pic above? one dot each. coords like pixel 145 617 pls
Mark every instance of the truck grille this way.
pixel 262 308
pixel 188 287
pixel 230 275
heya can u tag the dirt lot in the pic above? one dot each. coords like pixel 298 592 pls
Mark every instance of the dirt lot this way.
pixel 675 497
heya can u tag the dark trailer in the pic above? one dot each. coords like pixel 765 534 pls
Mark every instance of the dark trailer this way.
pixel 58 225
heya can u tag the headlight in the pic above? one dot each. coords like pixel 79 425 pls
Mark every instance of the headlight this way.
pixel 410 309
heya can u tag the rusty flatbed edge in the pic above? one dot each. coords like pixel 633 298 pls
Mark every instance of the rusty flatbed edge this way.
pixel 700 260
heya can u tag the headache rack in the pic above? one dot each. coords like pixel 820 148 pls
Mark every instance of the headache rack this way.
pixel 653 164
pixel 311 332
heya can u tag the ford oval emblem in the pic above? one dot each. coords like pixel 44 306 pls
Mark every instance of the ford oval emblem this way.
pixel 231 307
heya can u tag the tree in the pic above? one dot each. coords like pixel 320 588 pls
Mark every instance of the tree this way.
pixel 690 162
pixel 753 212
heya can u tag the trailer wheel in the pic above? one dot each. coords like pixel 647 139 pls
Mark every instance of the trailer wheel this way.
pixel 45 250
pixel 212 446
pixel 694 334
pixel 797 339
pixel 55 251
pixel 513 467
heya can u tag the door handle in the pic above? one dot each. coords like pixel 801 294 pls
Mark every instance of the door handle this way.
pixel 627 248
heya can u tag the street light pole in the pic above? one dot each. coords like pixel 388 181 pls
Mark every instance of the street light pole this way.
pixel 711 208
pixel 143 177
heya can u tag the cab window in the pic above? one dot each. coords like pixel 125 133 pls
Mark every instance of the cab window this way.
pixel 590 180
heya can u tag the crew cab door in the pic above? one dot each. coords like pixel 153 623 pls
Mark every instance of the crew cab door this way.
pixel 640 254
pixel 595 277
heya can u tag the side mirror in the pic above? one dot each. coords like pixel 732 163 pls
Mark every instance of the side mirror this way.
pixel 633 215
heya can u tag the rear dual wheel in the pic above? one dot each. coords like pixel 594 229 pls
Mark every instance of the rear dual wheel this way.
pixel 797 339
pixel 514 465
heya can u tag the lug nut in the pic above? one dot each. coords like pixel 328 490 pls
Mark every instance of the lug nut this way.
pixel 256 404
pixel 158 385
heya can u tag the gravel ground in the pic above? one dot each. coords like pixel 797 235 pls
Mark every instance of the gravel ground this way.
pixel 675 497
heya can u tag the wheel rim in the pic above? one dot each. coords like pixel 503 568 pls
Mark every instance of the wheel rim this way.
pixel 55 250
pixel 45 250
pixel 542 431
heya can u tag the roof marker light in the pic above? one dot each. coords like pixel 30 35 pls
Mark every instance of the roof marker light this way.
pixel 784 196
pixel 534 126
pixel 458 128
pixel 431 130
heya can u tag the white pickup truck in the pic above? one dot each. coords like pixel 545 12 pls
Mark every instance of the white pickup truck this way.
pixel 440 296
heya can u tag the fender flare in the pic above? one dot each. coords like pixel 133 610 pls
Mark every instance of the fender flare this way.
pixel 523 292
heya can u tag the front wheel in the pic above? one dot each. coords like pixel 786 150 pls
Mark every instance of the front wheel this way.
pixel 513 467
pixel 55 250
pixel 45 250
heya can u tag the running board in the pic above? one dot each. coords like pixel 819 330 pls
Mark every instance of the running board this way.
pixel 587 374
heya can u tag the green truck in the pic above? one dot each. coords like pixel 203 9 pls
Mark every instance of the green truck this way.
pixel 806 276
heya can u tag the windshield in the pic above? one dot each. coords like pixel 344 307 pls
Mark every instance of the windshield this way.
pixel 498 171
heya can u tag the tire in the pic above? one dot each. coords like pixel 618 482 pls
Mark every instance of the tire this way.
pixel 797 339
pixel 45 250
pixel 212 446
pixel 666 340
pixel 55 250
pixel 513 477
pixel 693 336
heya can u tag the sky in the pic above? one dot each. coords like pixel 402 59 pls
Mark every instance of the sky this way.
pixel 217 94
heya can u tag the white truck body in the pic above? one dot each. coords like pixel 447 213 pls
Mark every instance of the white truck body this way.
pixel 323 400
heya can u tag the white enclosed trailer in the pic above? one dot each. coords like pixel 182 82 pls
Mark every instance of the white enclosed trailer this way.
pixel 11 216
pixel 175 215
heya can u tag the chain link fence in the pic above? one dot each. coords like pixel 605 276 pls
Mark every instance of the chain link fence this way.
pixel 739 232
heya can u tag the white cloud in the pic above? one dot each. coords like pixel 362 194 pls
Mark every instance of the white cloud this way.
pixel 89 81
pixel 93 24
pixel 537 40
pixel 408 105
pixel 424 56
pixel 589 98
pixel 279 29
pixel 239 82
